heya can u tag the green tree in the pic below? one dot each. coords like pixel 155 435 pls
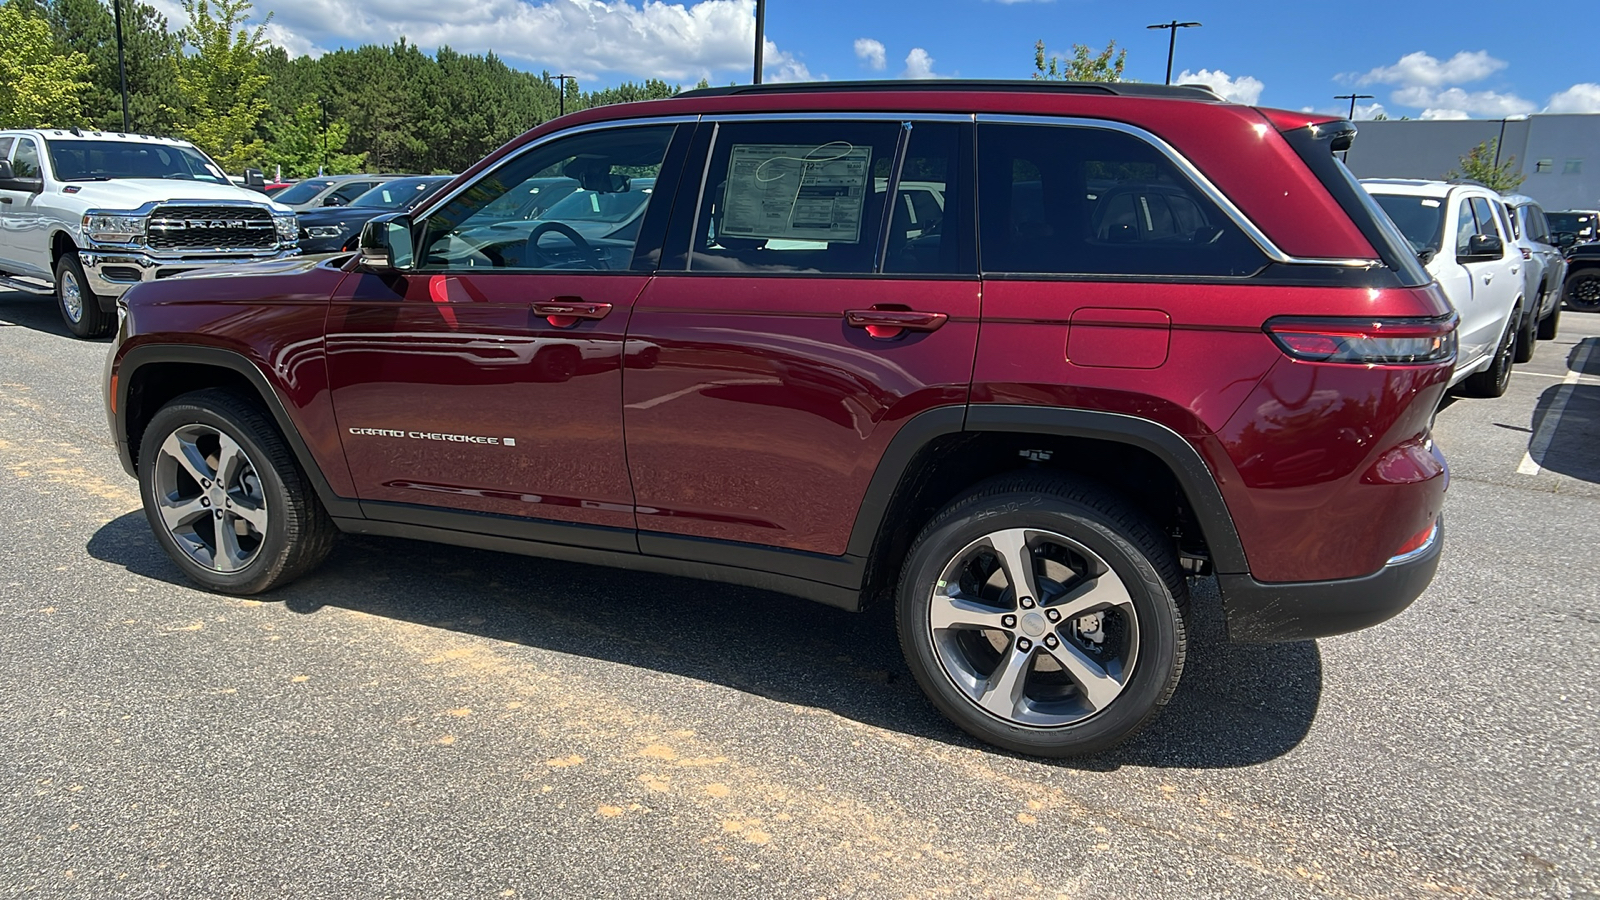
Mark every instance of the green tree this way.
pixel 151 51
pixel 298 145
pixel 221 83
pixel 39 85
pixel 1479 165
pixel 1085 64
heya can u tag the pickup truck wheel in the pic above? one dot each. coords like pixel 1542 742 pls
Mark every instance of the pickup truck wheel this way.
pixel 1583 291
pixel 1492 382
pixel 225 496
pixel 80 308
pixel 1044 616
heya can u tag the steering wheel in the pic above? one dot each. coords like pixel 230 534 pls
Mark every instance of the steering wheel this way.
pixel 584 248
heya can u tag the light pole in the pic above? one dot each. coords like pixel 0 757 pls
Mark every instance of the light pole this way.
pixel 561 91
pixel 761 35
pixel 1172 41
pixel 122 64
pixel 1352 98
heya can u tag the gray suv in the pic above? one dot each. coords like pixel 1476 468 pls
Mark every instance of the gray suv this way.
pixel 1544 271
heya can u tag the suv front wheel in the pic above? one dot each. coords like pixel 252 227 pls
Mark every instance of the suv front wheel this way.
pixel 1044 616
pixel 225 496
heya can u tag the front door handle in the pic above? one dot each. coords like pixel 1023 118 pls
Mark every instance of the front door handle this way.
pixel 886 324
pixel 565 312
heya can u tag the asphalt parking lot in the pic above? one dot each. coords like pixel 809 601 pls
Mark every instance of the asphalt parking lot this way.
pixel 426 721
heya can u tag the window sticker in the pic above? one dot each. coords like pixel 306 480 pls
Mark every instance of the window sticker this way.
pixel 796 191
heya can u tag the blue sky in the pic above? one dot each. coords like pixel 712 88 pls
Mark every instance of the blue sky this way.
pixel 1418 59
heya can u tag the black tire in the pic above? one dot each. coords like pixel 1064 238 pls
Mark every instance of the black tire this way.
pixel 1549 324
pixel 1069 531
pixel 1493 381
pixel 79 307
pixel 1583 290
pixel 261 482
pixel 1527 337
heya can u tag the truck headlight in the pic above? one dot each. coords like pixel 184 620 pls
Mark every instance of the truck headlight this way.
pixel 288 228
pixel 325 232
pixel 114 229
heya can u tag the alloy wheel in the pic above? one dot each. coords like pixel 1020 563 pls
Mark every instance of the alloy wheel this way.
pixel 1034 628
pixel 209 497
pixel 1585 293
pixel 71 296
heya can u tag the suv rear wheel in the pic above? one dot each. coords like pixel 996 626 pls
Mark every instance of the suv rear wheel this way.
pixel 1043 615
pixel 225 496
pixel 79 306
pixel 1492 382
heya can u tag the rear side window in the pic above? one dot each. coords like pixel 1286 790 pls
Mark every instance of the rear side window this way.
pixel 795 197
pixel 1088 201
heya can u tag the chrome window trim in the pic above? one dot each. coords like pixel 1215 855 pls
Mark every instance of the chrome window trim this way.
pixel 442 200
pixel 1198 178
pixel 821 116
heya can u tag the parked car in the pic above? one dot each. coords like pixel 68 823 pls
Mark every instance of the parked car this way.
pixel 272 188
pixel 1583 278
pixel 85 215
pixel 1462 234
pixel 1544 271
pixel 334 228
pixel 331 190
pixel 528 200
pixel 769 391
pixel 1574 226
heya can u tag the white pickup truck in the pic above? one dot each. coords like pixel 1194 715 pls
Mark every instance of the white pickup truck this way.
pixel 87 215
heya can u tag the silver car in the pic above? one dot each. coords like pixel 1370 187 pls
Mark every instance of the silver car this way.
pixel 328 190
pixel 1544 271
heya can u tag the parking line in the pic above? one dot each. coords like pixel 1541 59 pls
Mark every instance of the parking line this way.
pixel 1552 419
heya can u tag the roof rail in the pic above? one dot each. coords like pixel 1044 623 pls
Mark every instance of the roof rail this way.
pixel 1035 86
pixel 1473 182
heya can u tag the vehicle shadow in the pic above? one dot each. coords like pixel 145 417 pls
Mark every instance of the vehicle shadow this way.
pixel 33 312
pixel 1566 429
pixel 1238 705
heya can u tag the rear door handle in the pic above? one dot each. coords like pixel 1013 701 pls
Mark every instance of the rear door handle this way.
pixel 565 312
pixel 891 323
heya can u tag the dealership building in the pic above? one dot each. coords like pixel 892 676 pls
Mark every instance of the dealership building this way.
pixel 1559 154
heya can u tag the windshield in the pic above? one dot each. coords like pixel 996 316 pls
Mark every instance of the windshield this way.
pixel 102 160
pixel 303 191
pixel 589 206
pixel 401 193
pixel 1420 219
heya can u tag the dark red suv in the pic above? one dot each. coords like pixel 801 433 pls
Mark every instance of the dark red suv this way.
pixel 1020 357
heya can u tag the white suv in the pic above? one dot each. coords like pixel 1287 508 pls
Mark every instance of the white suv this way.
pixel 1461 232
pixel 87 215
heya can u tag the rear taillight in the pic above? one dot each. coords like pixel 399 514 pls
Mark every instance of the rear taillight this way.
pixel 1371 342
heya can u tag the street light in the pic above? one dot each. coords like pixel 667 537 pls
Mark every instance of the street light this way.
pixel 1172 42
pixel 561 90
pixel 122 64
pixel 1352 98
pixel 761 35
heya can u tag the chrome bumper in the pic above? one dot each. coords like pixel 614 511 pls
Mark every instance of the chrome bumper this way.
pixel 111 272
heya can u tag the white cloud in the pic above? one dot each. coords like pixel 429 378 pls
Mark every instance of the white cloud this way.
pixel 1421 70
pixel 872 53
pixel 1368 111
pixel 919 64
pixel 1244 89
pixel 672 41
pixel 1580 98
pixel 1444 104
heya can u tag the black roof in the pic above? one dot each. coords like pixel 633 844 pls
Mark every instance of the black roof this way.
pixel 1029 86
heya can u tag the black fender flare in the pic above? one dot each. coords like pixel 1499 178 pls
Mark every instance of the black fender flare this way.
pixel 216 357
pixel 1192 474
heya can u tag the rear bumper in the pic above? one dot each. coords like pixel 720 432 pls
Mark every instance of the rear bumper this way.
pixel 1295 611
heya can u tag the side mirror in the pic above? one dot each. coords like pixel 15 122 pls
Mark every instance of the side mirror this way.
pixel 10 182
pixel 1426 255
pixel 255 180
pixel 386 243
pixel 1482 248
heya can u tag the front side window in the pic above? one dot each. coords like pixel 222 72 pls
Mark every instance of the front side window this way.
pixel 1089 201
pixel 25 163
pixel 303 192
pixel 1486 218
pixel 351 190
pixel 594 228
pixel 794 197
pixel 1466 227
